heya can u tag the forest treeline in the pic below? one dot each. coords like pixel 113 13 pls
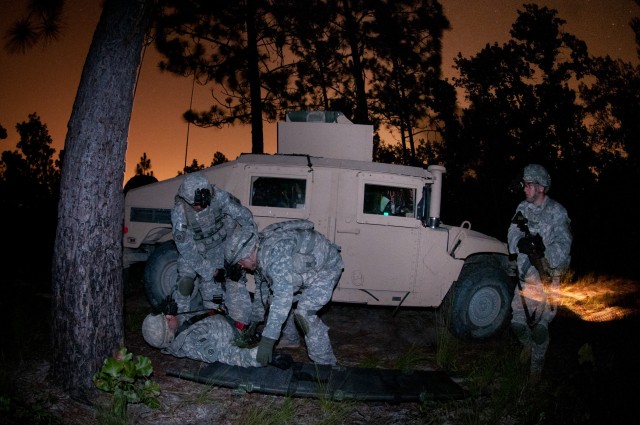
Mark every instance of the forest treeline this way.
pixel 539 97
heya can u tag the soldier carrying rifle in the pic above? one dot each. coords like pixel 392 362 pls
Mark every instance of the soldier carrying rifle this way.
pixel 541 237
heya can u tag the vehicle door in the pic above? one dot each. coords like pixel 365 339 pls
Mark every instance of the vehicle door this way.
pixel 378 232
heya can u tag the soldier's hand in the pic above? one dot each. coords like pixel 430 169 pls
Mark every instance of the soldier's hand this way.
pixel 248 337
pixel 265 351
pixel 538 246
pixel 234 272
pixel 532 246
pixel 168 306
pixel 219 276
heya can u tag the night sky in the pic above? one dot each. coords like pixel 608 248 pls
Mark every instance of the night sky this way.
pixel 45 80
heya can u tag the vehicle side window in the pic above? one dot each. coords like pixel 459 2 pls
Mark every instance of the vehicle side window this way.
pixel 278 192
pixel 389 200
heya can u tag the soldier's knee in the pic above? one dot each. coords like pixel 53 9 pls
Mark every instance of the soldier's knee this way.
pixel 186 285
pixel 520 330
pixel 302 319
pixel 540 334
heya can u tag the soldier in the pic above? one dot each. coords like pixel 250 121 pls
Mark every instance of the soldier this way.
pixel 291 263
pixel 208 338
pixel 542 241
pixel 202 218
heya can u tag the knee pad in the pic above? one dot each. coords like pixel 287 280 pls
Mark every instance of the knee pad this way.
pixel 539 334
pixel 185 286
pixel 302 322
pixel 520 330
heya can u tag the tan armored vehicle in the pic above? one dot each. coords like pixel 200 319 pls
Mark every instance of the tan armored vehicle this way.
pixel 385 217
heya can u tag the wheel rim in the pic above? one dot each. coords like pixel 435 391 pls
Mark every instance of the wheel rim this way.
pixel 169 277
pixel 484 306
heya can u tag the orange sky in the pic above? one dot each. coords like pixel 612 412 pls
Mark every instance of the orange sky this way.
pixel 45 80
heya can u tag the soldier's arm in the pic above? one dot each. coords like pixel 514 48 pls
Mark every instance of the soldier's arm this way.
pixel 232 207
pixel 558 249
pixel 513 235
pixel 280 273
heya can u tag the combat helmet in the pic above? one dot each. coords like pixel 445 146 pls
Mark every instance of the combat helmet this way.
pixel 196 190
pixel 156 331
pixel 240 245
pixel 537 174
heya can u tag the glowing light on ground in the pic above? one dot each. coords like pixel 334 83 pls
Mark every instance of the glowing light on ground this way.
pixel 600 299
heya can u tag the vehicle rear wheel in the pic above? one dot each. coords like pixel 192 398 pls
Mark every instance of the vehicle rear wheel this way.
pixel 161 273
pixel 480 303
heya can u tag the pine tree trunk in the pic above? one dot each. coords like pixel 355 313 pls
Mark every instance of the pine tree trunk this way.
pixel 87 303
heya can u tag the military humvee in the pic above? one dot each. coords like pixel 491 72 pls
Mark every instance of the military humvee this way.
pixel 385 217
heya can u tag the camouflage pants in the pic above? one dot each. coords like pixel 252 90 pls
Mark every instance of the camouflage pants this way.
pixel 533 311
pixel 315 294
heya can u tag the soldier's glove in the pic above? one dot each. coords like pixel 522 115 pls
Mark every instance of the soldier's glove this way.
pixel 247 337
pixel 220 276
pixel 234 271
pixel 168 307
pixel 265 351
pixel 532 246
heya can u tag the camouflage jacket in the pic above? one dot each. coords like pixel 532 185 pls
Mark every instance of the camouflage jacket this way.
pixel 211 340
pixel 200 236
pixel 551 221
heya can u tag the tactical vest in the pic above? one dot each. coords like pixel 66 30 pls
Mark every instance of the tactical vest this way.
pixel 209 232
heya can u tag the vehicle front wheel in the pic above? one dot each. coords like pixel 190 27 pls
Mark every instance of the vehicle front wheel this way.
pixel 161 273
pixel 480 302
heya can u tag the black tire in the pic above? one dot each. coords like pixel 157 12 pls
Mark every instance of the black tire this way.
pixel 480 303
pixel 161 273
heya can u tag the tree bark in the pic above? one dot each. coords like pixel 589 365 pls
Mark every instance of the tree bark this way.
pixel 87 287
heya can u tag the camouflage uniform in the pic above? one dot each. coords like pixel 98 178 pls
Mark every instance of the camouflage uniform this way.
pixel 211 340
pixel 200 238
pixel 550 220
pixel 296 266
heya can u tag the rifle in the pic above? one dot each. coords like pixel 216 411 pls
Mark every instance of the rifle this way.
pixel 536 254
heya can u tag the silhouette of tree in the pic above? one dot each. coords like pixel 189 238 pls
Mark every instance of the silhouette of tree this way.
pixel 144 166
pixel 29 185
pixel 522 110
pixel 193 167
pixel 330 40
pixel 30 175
pixel 138 180
pixel 233 45
pixel 408 44
pixel 218 158
pixel 42 24
pixel 612 99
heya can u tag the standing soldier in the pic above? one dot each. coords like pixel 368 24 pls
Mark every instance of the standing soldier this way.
pixel 291 263
pixel 202 218
pixel 541 236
